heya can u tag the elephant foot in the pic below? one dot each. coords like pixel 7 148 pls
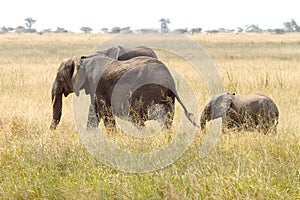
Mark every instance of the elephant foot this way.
pixel 92 123
pixel 54 124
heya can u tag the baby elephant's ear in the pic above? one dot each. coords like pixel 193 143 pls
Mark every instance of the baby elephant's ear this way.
pixel 220 105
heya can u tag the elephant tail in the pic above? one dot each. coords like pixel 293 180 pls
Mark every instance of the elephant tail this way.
pixel 189 115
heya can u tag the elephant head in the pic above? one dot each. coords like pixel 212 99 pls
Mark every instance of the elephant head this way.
pixel 216 107
pixel 69 78
pixel 73 75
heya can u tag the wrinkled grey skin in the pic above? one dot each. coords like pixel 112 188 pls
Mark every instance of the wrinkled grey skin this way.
pixel 133 92
pixel 122 53
pixel 242 111
pixel 68 72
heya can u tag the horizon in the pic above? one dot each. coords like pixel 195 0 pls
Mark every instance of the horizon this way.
pixel 190 14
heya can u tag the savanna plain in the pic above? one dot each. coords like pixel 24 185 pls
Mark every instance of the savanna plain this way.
pixel 37 163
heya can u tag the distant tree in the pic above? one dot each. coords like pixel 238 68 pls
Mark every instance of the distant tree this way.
pixel 230 30
pixel 47 30
pixel 288 26
pixel 164 25
pixel 253 29
pixel 5 30
pixel 295 26
pixel 214 31
pixel 21 29
pixel 279 31
pixel 269 30
pixel 29 22
pixel 180 31
pixel 31 30
pixel 239 29
pixel 85 29
pixel 125 30
pixel 10 29
pixel 291 26
pixel 104 30
pixel 221 30
pixel 116 29
pixel 195 30
pixel 147 30
pixel 60 30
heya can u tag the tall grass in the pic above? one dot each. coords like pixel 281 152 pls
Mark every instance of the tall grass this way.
pixel 38 163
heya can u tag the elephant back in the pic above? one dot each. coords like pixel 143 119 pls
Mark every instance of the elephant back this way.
pixel 134 73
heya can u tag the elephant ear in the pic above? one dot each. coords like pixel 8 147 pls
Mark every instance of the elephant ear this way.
pixel 113 52
pixel 79 75
pixel 220 105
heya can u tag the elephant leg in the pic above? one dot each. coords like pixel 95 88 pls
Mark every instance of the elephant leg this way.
pixel 269 125
pixel 138 112
pixel 108 118
pixel 104 112
pixel 233 120
pixel 138 117
pixel 272 121
pixel 169 115
pixel 165 110
pixel 163 113
pixel 273 126
pixel 93 121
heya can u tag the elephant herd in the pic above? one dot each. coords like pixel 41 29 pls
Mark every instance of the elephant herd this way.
pixel 133 83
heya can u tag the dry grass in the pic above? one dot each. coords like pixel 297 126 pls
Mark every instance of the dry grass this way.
pixel 38 163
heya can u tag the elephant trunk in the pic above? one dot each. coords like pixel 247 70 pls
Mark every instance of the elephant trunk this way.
pixel 57 109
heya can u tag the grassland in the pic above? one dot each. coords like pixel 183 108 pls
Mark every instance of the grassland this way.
pixel 36 163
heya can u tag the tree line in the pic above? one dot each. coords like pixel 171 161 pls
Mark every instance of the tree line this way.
pixel 288 27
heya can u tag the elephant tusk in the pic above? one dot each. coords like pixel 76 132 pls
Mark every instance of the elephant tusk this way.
pixel 54 100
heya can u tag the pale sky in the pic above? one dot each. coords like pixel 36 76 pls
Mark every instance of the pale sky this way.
pixel 97 14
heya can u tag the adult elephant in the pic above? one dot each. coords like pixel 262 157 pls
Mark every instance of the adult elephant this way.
pixel 103 73
pixel 65 78
pixel 242 111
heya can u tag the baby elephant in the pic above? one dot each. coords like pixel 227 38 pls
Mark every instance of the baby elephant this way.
pixel 242 111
